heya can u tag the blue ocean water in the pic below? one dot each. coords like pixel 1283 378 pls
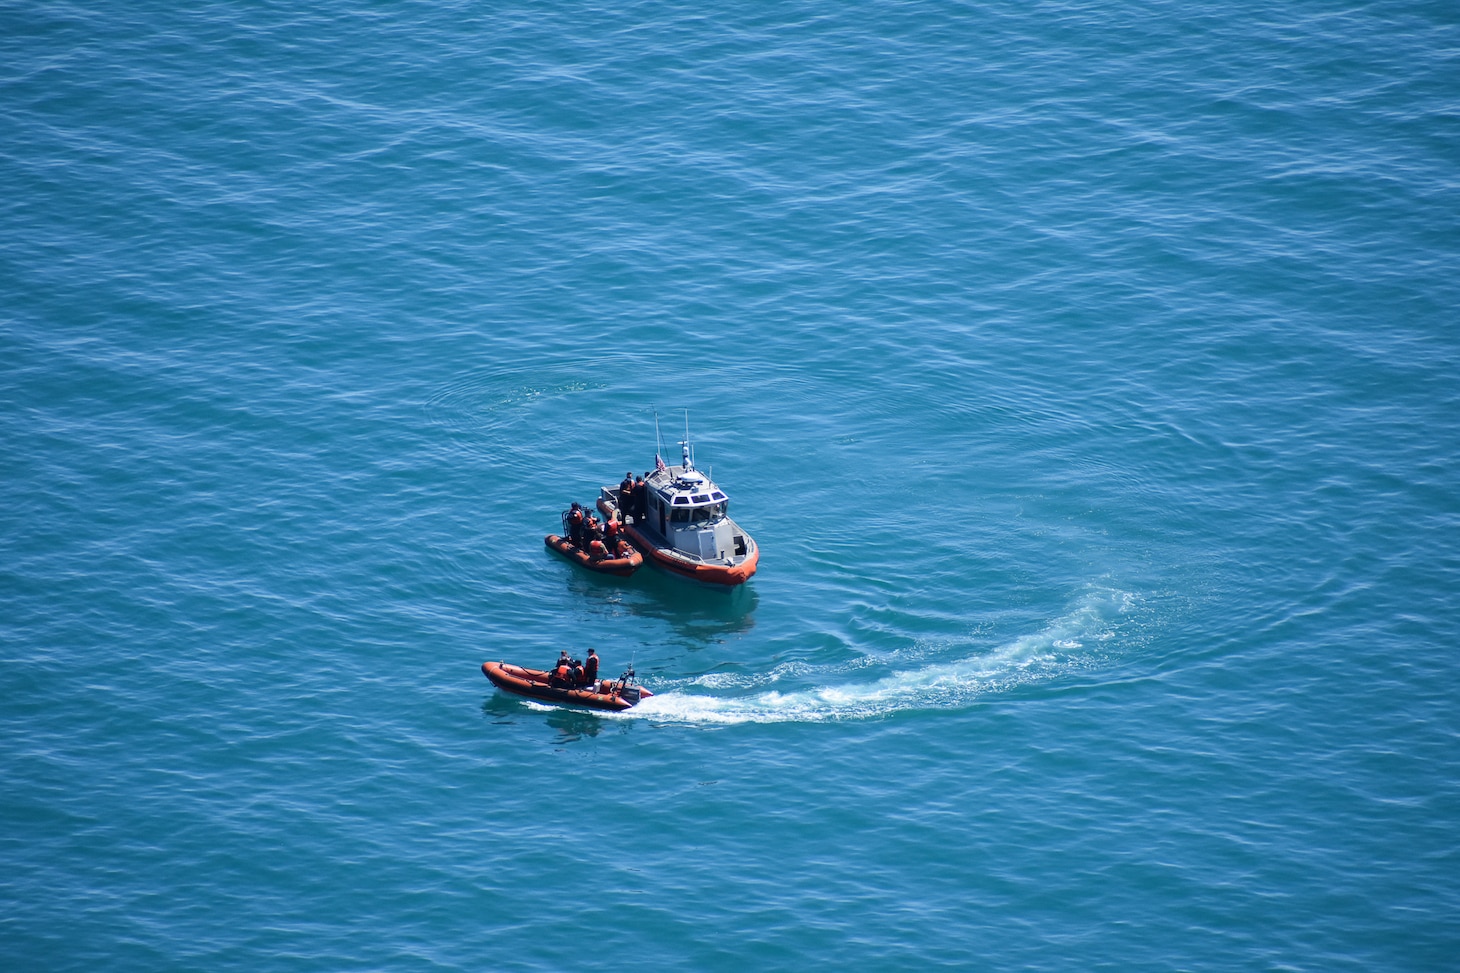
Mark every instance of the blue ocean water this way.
pixel 1086 373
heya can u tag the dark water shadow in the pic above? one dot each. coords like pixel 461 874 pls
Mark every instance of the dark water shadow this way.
pixel 571 725
pixel 693 610
pixel 502 708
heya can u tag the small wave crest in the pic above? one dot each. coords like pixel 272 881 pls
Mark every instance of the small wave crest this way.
pixel 1072 641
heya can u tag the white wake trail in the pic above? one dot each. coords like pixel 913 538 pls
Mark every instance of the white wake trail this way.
pixel 1070 642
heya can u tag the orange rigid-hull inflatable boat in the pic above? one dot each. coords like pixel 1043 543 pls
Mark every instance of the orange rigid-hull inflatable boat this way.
pixel 533 683
pixel 620 566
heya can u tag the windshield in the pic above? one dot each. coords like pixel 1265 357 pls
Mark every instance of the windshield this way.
pixel 707 514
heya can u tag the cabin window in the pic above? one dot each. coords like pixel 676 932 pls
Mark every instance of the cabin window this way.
pixel 679 516
pixel 717 495
pixel 701 498
pixel 709 513
pixel 681 500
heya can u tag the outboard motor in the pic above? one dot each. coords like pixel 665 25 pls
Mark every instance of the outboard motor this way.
pixel 628 690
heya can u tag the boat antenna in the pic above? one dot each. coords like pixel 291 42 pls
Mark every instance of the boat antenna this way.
pixel 658 438
pixel 686 447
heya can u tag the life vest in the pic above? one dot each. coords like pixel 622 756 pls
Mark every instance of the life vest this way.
pixel 596 550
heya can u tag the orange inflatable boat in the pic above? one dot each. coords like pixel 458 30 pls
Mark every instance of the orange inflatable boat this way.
pixel 606 694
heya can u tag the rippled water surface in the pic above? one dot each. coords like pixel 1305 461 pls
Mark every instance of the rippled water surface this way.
pixel 1086 373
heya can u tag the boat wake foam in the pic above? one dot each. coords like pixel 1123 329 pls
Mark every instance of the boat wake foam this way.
pixel 1076 640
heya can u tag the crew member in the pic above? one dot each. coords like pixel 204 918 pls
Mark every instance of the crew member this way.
pixel 575 524
pixel 561 673
pixel 641 500
pixel 611 532
pixel 596 550
pixel 626 495
pixel 590 668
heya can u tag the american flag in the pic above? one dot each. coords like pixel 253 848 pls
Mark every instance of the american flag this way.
pixel 659 463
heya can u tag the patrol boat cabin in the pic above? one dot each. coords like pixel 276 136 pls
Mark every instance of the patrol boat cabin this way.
pixel 681 524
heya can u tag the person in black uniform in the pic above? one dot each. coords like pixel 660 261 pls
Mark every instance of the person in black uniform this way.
pixel 626 497
pixel 575 525
pixel 641 500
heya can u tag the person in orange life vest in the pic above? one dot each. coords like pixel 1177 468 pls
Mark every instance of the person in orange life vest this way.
pixel 596 550
pixel 592 530
pixel 575 525
pixel 611 532
pixel 623 549
pixel 590 669
pixel 559 675
pixel 575 673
